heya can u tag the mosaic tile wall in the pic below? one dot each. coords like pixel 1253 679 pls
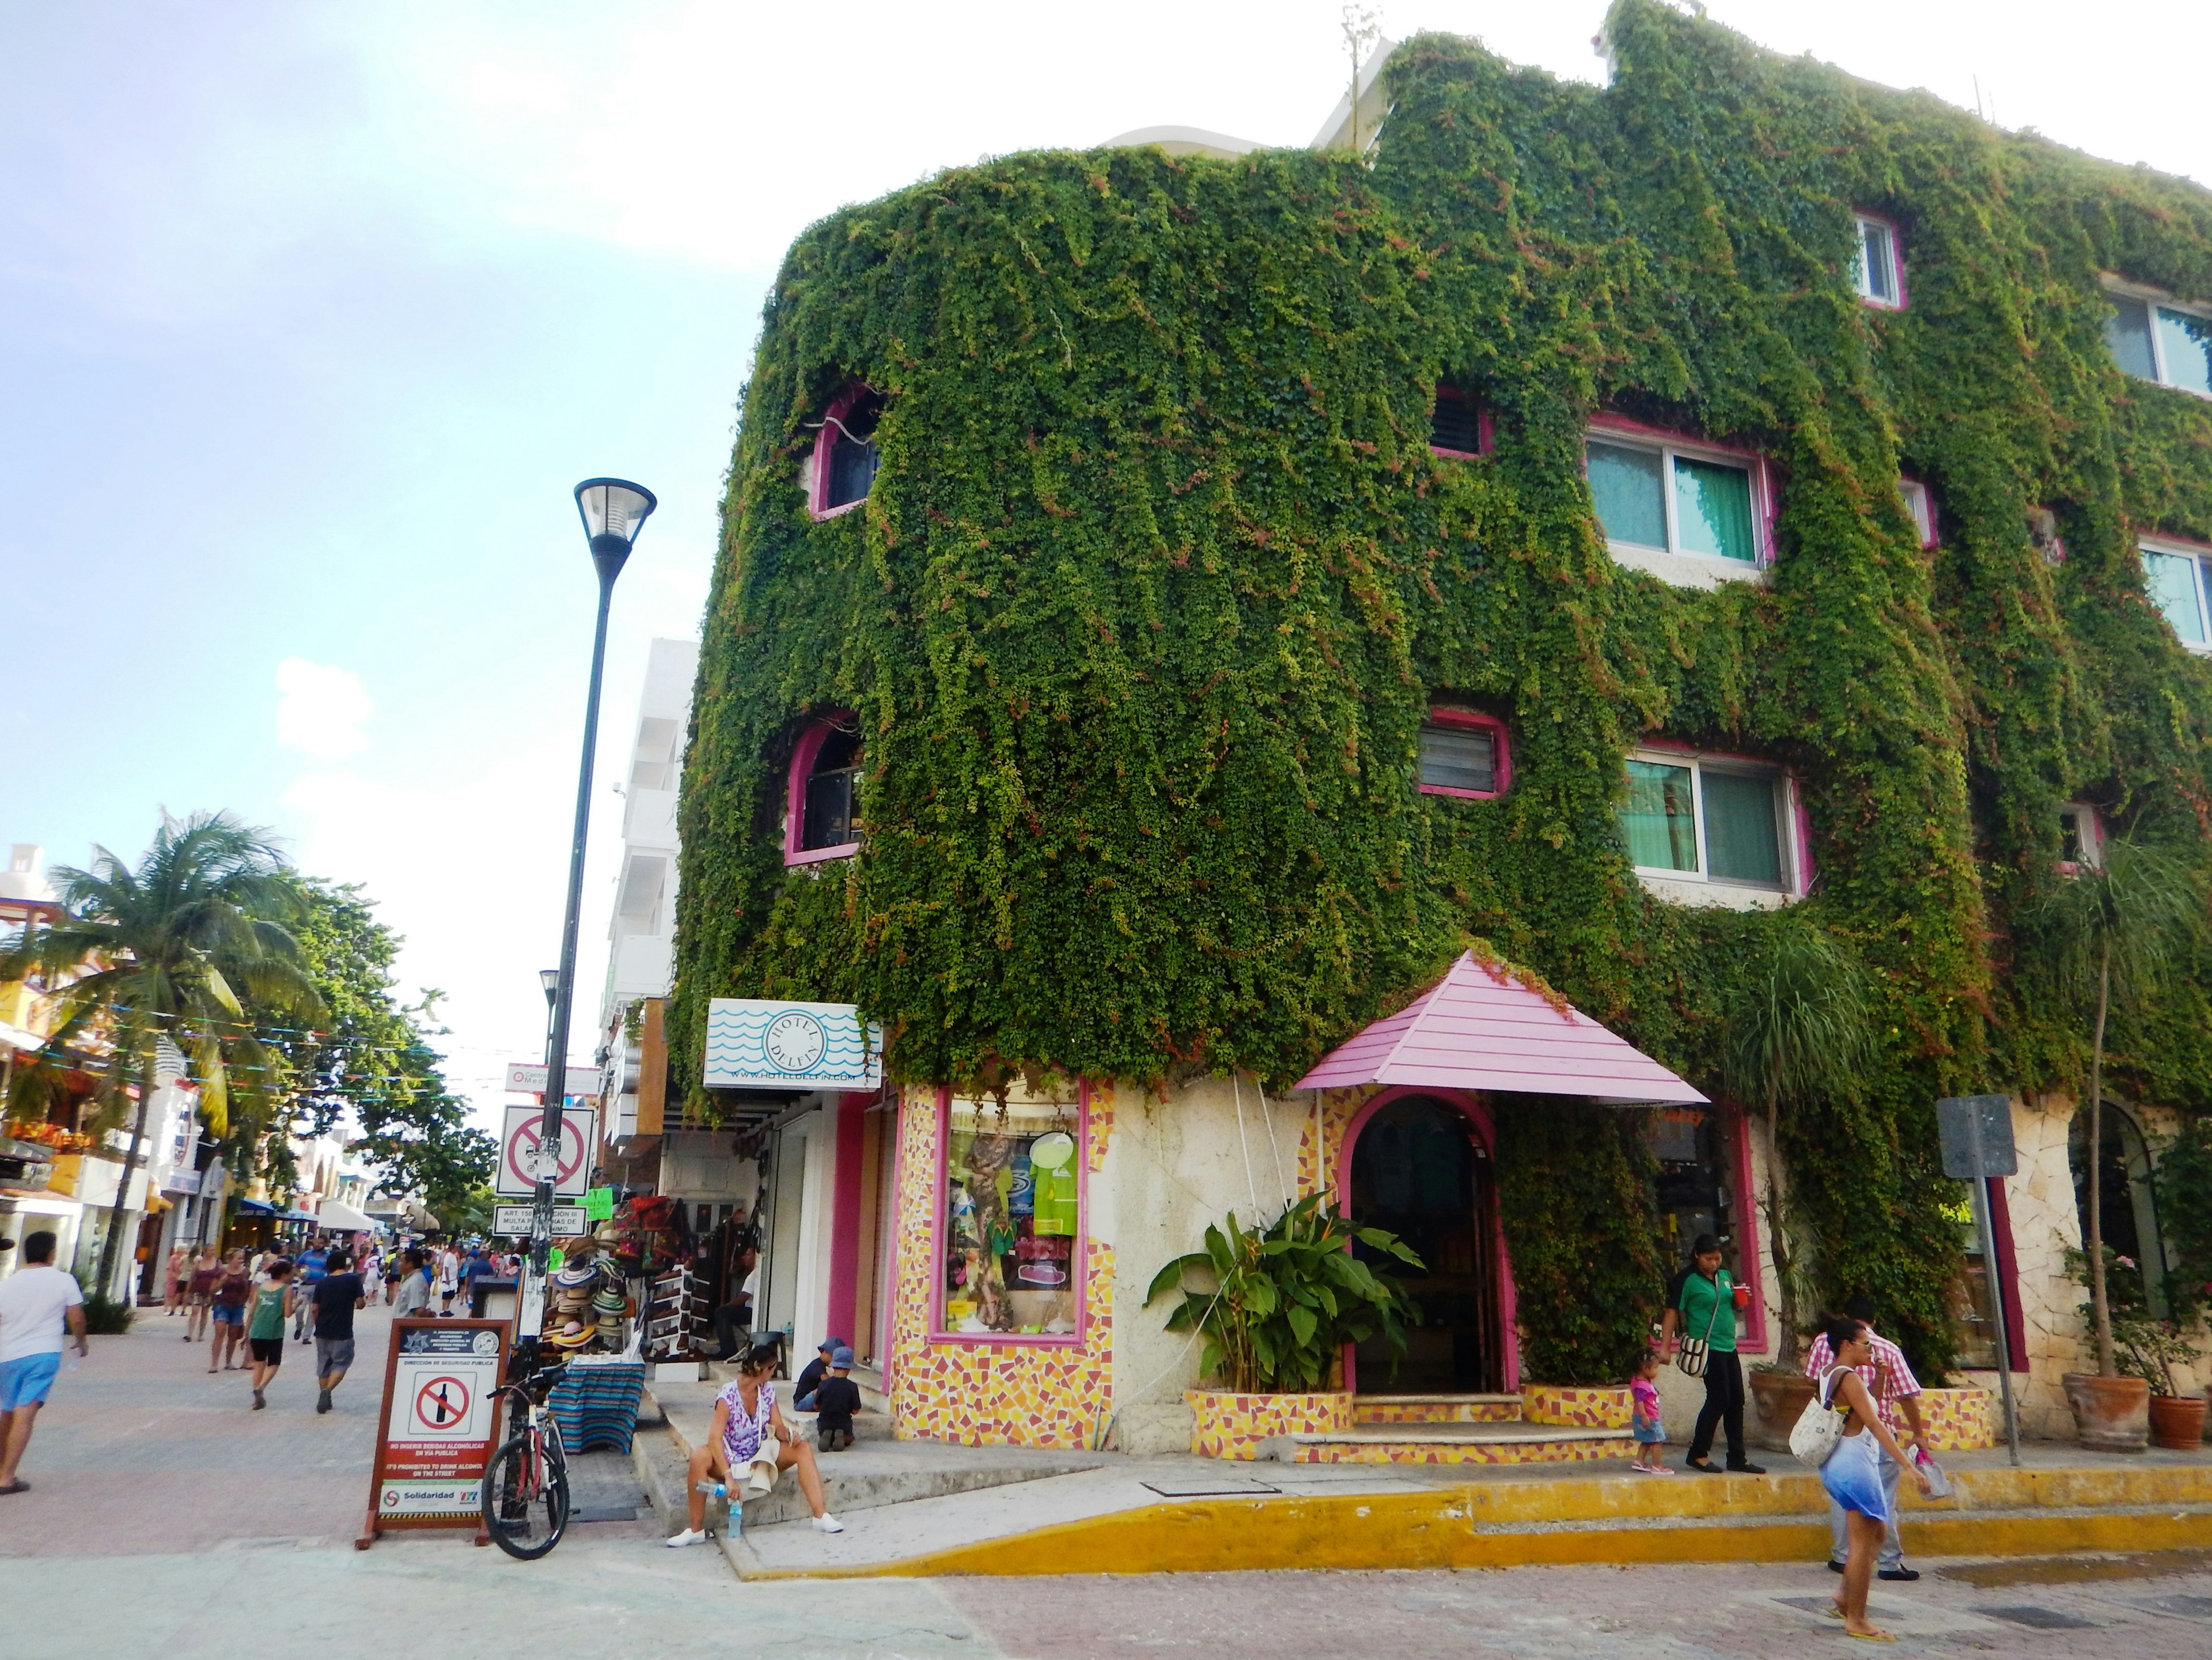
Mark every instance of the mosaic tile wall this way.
pixel 1368 1409
pixel 1234 1425
pixel 1959 1421
pixel 990 1394
pixel 1606 1407
pixel 1468 1452
pixel 1317 1154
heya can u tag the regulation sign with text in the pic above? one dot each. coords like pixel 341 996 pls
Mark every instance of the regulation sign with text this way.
pixel 438 1425
pixel 513 1221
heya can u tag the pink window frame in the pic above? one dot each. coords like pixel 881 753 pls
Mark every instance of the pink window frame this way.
pixel 1803 868
pixel 1473 722
pixel 1764 493
pixel 1934 534
pixel 1485 1128
pixel 818 487
pixel 1079 1256
pixel 2007 1268
pixel 1486 427
pixel 803 752
pixel 1896 259
pixel 1736 1126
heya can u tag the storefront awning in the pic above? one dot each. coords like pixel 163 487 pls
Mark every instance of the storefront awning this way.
pixel 255 1207
pixel 342 1218
pixel 1477 1029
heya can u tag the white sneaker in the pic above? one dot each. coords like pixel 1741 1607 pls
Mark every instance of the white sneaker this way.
pixel 826 1523
pixel 689 1536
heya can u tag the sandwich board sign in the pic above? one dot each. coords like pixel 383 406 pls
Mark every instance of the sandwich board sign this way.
pixel 439 1424
pixel 521 1149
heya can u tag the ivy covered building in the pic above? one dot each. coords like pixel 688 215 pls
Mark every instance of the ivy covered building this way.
pixel 1178 600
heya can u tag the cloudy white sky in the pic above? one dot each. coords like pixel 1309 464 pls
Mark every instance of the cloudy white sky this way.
pixel 311 315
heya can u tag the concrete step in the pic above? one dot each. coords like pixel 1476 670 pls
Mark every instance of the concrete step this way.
pixel 1450 1444
pixel 873 1471
pixel 1436 1409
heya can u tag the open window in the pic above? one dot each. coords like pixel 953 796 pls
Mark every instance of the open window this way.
pixel 1693 514
pixel 1712 828
pixel 1921 507
pixel 822 815
pixel 2080 838
pixel 1458 425
pixel 1877 267
pixel 2155 338
pixel 1464 754
pixel 845 457
pixel 2174 576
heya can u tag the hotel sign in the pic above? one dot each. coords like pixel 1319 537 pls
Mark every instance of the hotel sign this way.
pixel 767 1043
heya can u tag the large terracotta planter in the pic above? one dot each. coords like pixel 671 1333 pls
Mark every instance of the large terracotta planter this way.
pixel 1779 1399
pixel 2177 1421
pixel 1225 1425
pixel 2111 1415
pixel 1958 1420
pixel 1590 1407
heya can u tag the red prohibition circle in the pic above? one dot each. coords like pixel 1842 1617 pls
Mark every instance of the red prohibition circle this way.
pixel 443 1402
pixel 528 1134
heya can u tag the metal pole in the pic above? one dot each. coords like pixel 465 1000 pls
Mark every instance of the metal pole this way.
pixel 1995 1281
pixel 530 1315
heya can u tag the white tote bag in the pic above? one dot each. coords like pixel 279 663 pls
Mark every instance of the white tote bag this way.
pixel 1819 1428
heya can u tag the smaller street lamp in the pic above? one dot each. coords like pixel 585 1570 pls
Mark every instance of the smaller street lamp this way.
pixel 550 981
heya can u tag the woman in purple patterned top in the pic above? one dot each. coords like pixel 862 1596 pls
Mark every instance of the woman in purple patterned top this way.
pixel 745 1421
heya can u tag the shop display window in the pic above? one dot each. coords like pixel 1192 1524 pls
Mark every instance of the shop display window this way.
pixel 1011 1249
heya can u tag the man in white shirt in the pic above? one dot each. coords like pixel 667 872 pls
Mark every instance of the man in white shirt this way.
pixel 37 1301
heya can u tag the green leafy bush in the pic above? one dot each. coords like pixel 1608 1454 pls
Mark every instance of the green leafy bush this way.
pixel 107 1317
pixel 1278 1303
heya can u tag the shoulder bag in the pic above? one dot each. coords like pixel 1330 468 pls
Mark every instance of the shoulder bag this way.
pixel 1819 1428
pixel 1690 1358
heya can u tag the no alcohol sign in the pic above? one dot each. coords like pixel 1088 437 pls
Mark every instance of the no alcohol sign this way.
pixel 440 1418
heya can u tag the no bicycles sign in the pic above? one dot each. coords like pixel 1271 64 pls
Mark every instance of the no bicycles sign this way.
pixel 439 1426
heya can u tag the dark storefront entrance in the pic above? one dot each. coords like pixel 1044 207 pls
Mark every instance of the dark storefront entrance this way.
pixel 1419 1170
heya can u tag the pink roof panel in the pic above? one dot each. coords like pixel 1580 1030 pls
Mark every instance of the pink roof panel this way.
pixel 1474 1029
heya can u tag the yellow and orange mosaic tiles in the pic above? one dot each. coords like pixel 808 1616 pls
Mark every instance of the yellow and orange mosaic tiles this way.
pixel 1579 1451
pixel 1225 1425
pixel 988 1393
pixel 1322 1135
pixel 1605 1407
pixel 1957 1420
pixel 1367 1410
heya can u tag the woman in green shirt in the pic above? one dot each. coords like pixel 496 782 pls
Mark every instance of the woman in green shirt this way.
pixel 273 1301
pixel 1702 1303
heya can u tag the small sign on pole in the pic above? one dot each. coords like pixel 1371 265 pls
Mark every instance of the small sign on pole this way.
pixel 521 1150
pixel 1975 1131
pixel 599 1205
pixel 513 1221
pixel 439 1424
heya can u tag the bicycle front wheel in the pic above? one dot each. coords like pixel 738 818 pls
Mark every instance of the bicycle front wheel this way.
pixel 525 1497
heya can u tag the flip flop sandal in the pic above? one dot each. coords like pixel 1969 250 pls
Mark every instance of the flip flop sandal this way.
pixel 1873 1636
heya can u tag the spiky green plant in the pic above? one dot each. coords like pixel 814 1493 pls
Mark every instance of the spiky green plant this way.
pixel 1798 1031
pixel 162 950
pixel 2119 932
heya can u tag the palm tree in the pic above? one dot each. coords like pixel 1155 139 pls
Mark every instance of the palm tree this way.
pixel 164 950
pixel 1798 1029
pixel 2117 931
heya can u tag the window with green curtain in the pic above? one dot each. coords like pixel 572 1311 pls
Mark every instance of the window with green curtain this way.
pixel 1743 836
pixel 2171 580
pixel 2127 332
pixel 1659 820
pixel 1713 509
pixel 1626 489
pixel 2182 341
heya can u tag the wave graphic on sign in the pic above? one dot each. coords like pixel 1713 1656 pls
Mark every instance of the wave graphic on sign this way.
pixel 737 1043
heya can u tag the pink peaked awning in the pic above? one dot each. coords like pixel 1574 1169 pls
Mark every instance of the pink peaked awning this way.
pixel 1474 1029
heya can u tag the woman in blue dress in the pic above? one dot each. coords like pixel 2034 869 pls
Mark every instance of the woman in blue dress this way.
pixel 1852 1474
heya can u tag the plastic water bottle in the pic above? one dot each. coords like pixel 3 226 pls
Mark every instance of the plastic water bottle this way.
pixel 715 1489
pixel 721 1490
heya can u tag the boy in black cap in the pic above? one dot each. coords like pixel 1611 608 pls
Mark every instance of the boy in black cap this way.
pixel 811 1375
pixel 837 1398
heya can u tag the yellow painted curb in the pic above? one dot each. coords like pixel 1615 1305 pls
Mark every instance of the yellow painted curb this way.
pixel 1439 1529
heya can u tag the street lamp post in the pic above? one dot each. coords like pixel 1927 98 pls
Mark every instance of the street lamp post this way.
pixel 613 511
pixel 550 981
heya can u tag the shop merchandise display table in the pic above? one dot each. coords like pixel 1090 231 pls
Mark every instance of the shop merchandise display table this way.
pixel 595 1402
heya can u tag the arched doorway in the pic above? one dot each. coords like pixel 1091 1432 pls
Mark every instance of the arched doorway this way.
pixel 1419 1169
pixel 2129 1203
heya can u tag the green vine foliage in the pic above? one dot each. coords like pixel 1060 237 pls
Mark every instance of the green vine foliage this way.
pixel 1160 575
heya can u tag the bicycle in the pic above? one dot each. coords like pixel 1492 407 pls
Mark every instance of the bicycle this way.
pixel 526 1487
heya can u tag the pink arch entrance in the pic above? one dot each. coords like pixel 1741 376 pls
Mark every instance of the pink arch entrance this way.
pixel 1468 1103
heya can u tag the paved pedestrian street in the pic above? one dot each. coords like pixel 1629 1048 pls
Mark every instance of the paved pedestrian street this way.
pixel 167 1518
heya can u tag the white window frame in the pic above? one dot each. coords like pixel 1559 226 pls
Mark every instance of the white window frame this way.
pixel 1919 507
pixel 1673 563
pixel 2089 832
pixel 2157 299
pixel 1704 888
pixel 2196 556
pixel 1861 282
